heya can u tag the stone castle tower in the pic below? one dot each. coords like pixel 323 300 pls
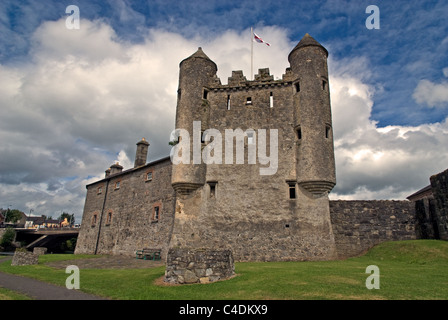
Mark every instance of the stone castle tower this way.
pixel 279 216
pixel 259 164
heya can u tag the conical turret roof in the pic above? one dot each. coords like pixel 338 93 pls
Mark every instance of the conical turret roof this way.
pixel 199 54
pixel 308 41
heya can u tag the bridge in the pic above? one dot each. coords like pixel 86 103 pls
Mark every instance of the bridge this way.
pixel 51 238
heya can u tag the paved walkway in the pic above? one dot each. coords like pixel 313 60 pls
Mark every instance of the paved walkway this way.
pixel 39 290
pixel 44 291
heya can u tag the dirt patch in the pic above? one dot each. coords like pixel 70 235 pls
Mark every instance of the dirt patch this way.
pixel 107 262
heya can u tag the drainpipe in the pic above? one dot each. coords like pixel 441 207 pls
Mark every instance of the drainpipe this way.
pixel 101 218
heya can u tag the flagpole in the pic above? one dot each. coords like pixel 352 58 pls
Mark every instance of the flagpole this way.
pixel 251 53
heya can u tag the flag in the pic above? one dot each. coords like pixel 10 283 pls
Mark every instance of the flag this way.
pixel 259 40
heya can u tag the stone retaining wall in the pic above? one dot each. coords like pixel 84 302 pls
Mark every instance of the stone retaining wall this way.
pixel 22 258
pixel 360 225
pixel 186 266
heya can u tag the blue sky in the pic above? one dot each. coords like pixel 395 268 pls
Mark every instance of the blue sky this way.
pixel 389 86
pixel 408 47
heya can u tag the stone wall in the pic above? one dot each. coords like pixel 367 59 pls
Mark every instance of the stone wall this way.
pixel 120 219
pixel 360 225
pixel 237 207
pixel 22 258
pixel 439 185
pixel 184 266
pixel 40 250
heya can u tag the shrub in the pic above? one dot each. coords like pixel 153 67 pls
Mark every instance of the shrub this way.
pixel 7 238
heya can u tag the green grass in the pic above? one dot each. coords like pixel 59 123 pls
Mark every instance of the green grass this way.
pixel 6 294
pixel 415 270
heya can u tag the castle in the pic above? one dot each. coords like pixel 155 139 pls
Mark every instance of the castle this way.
pixel 268 201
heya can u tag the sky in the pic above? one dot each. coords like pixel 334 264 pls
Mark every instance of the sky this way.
pixel 74 101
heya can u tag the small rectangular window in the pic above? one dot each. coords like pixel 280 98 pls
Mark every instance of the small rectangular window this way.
pixel 156 213
pixel 324 85
pixel 299 133
pixel 202 137
pixel 327 131
pixel 212 190
pixel 292 190
pixel 117 185
pixel 93 220
pixel 149 176
pixel 297 86
pixel 108 218
pixel 100 190
pixel 271 100
pixel 228 102
pixel 250 138
pixel 205 94
pixel 248 100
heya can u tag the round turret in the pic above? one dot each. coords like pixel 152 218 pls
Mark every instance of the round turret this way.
pixel 197 73
pixel 313 123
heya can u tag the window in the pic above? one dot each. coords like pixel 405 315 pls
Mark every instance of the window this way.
pixel 205 94
pixel 297 86
pixel 228 102
pixel 94 220
pixel 156 213
pixel 202 137
pixel 108 218
pixel 299 133
pixel 100 190
pixel 271 100
pixel 248 101
pixel 292 190
pixel 148 176
pixel 212 187
pixel 251 138
pixel 324 85
pixel 117 185
pixel 327 131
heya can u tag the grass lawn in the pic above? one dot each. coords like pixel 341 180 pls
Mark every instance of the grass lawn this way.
pixel 6 294
pixel 416 270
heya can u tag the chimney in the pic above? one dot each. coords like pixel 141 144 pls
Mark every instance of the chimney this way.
pixel 107 172
pixel 115 168
pixel 142 153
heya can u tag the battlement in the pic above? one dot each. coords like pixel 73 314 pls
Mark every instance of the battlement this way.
pixel 263 79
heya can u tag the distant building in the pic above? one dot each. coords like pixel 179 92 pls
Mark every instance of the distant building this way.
pixel 41 222
pixel 34 222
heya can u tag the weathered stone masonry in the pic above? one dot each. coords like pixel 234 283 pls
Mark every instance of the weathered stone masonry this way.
pixel 129 210
pixel 439 186
pixel 232 207
pixel 359 225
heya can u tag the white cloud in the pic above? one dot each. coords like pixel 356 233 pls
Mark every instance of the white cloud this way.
pixel 86 95
pixel 379 163
pixel 432 94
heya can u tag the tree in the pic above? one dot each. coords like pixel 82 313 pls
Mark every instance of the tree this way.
pixel 70 218
pixel 7 238
pixel 13 215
